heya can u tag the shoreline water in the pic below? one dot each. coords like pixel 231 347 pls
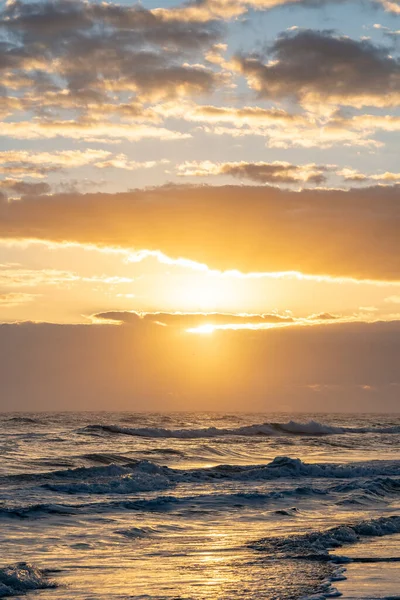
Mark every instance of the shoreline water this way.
pixel 197 505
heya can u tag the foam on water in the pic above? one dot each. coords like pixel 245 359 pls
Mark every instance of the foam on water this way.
pixel 179 498
pixel 312 428
pixel 279 467
pixel 22 578
pixel 316 545
pixel 145 476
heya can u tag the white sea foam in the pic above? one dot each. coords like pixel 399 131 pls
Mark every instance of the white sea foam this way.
pixel 287 467
pixel 316 545
pixel 312 428
pixel 99 491
pixel 145 476
pixel 22 578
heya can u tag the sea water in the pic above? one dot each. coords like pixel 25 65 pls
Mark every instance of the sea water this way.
pixel 107 506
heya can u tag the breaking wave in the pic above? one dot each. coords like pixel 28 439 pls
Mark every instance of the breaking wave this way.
pixel 360 483
pixel 143 475
pixel 351 492
pixel 312 428
pixel 316 545
pixel 22 578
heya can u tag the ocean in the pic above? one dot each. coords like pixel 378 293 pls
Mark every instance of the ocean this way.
pixel 199 506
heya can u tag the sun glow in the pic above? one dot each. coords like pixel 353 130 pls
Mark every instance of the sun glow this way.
pixel 204 329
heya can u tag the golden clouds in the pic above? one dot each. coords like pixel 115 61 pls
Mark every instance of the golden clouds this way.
pixel 353 233
pixel 150 363
pixel 39 164
pixel 87 130
pixel 12 299
pixel 260 172
pixel 206 10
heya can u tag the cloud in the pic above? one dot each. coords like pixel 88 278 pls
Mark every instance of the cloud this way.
pixel 12 299
pixel 204 10
pixel 203 322
pixel 191 320
pixel 89 52
pixel 23 188
pixel 386 30
pixel 247 115
pixel 318 67
pixel 87 130
pixel 15 275
pixel 40 164
pixel 155 368
pixel 354 175
pixel 121 161
pixel 391 6
pixel 87 71
pixel 340 233
pixel 393 299
pixel 282 129
pixel 260 172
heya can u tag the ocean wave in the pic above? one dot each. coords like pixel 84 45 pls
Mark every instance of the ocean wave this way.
pixel 353 492
pixel 128 484
pixel 164 503
pixel 316 545
pixel 77 473
pixel 291 468
pixel 142 532
pixel 279 467
pixel 143 475
pixel 312 428
pixel 381 486
pixel 36 510
pixel 210 501
pixel 137 532
pixel 22 578
pixel 24 420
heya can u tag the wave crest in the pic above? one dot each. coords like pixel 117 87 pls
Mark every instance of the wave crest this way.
pixel 22 578
pixel 312 428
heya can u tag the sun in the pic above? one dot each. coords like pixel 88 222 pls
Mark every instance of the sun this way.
pixel 203 329
pixel 202 294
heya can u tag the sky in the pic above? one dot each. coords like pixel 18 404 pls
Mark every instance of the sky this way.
pixel 200 205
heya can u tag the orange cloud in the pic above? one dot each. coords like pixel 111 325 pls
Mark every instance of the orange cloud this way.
pixel 206 10
pixel 192 320
pixel 162 370
pixel 11 299
pixel 261 172
pixel 339 233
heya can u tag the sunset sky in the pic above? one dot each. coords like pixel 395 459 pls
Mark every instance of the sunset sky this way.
pixel 200 205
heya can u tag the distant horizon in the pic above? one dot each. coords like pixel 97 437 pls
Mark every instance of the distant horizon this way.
pixel 221 412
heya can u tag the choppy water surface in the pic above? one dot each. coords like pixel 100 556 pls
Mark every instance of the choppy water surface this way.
pixel 199 506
